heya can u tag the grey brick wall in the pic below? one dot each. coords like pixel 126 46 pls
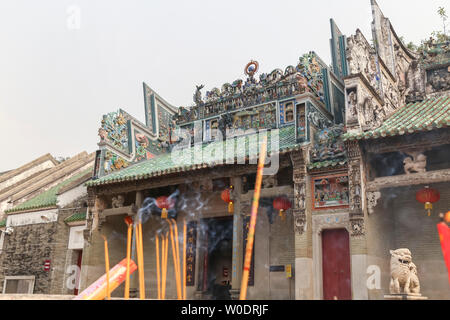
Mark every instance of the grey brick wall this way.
pixel 28 247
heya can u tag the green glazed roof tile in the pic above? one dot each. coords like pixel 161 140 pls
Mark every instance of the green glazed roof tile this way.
pixel 79 216
pixel 199 156
pixel 414 117
pixel 46 199
pixel 327 164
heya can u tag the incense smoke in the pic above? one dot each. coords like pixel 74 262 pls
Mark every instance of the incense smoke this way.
pixel 149 208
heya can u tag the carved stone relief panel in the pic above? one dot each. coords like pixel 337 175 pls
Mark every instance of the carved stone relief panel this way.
pixel 331 221
pixel 362 59
pixel 364 109
pixel 390 93
pixel 300 222
pixel 354 176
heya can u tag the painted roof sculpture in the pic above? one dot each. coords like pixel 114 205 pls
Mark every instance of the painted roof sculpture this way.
pixel 238 109
pixel 434 53
pixel 306 76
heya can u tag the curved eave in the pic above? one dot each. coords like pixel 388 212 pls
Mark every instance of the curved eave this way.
pixel 180 169
pixel 32 209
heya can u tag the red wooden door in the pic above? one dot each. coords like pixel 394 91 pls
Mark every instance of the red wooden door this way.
pixel 336 265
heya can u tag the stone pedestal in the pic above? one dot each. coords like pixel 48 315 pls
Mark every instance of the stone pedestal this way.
pixel 404 297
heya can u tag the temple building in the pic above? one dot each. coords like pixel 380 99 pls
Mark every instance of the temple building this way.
pixel 352 150
pixel 350 146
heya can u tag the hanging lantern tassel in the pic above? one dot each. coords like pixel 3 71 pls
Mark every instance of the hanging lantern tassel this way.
pixel 230 207
pixel 164 203
pixel 282 215
pixel 164 213
pixel 429 207
pixel 226 197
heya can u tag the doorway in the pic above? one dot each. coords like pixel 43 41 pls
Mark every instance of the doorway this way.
pixel 336 265
pixel 217 262
pixel 79 256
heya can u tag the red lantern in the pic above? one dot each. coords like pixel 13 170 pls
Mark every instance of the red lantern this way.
pixel 428 196
pixel 282 204
pixel 164 203
pixel 226 196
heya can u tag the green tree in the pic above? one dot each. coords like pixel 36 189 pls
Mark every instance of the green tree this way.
pixel 443 15
pixel 436 36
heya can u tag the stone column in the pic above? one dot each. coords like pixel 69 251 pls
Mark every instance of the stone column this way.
pixel 303 236
pixel 237 239
pixel 358 244
pixel 95 206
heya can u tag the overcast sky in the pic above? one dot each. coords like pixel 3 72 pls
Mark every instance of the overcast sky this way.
pixel 60 74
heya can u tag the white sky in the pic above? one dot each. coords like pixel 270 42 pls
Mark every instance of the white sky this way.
pixel 57 82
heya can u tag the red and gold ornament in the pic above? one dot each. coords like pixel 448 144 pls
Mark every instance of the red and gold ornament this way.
pixel 428 196
pixel 282 204
pixel 164 203
pixel 226 196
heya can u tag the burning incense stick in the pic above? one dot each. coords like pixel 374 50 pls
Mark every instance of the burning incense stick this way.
pixel 140 254
pixel 175 261
pixel 254 214
pixel 177 243
pixel 108 292
pixel 129 223
pixel 157 267
pixel 164 268
pixel 141 246
pixel 184 259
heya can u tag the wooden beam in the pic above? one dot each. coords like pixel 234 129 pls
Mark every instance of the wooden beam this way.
pixel 409 180
pixel 129 210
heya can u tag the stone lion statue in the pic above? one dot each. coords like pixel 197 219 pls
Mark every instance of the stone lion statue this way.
pixel 417 165
pixel 404 278
pixel 117 202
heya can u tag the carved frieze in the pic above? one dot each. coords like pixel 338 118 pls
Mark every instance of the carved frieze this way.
pixel 365 109
pixel 361 59
pixel 328 144
pixel 372 200
pixel 354 176
pixel 300 222
pixel 331 221
pixel 357 226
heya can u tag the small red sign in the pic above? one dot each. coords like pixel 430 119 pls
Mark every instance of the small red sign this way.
pixel 47 265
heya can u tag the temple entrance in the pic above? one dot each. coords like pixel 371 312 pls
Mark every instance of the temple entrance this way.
pixel 217 262
pixel 336 265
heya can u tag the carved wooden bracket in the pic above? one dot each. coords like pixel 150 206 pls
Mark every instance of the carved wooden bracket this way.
pixel 372 200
